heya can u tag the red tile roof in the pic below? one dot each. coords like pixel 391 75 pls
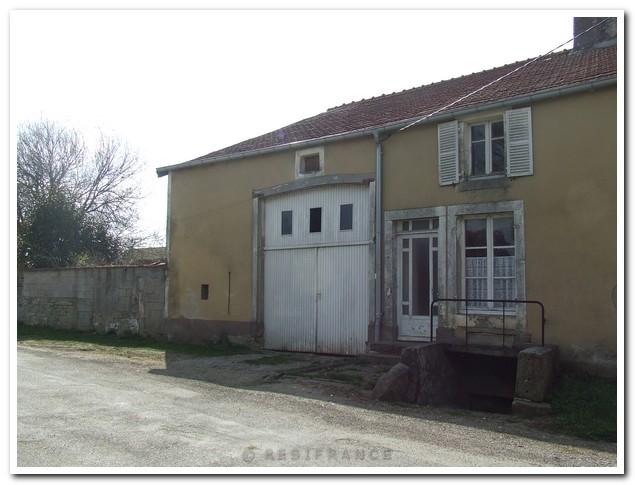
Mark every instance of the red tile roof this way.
pixel 557 70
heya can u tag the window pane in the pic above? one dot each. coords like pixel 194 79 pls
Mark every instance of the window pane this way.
pixel 287 222
pixel 478 158
pixel 504 289
pixel 476 253
pixel 405 310
pixel 346 217
pixel 475 233
pixel 476 267
pixel 498 156
pixel 504 266
pixel 477 132
pixel 498 129
pixel 420 225
pixel 406 243
pixel 405 276
pixel 405 226
pixel 435 223
pixel 503 231
pixel 476 289
pixel 503 252
pixel 435 279
pixel 311 163
pixel 421 276
pixel 315 220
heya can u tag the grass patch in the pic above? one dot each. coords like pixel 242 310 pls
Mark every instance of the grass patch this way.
pixel 85 340
pixel 277 359
pixel 345 377
pixel 585 406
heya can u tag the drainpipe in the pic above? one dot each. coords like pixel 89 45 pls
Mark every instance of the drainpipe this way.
pixel 378 234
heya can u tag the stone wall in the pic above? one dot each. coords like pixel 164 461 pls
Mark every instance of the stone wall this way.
pixel 439 374
pixel 119 299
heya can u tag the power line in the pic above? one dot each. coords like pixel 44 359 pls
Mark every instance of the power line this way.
pixel 531 61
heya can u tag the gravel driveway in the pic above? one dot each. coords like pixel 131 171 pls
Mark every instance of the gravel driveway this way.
pixel 84 409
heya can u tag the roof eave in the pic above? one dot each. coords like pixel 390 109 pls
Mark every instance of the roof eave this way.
pixel 397 125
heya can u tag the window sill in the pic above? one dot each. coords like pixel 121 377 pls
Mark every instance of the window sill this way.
pixel 485 183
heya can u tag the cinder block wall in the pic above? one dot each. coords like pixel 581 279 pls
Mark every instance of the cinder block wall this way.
pixel 119 299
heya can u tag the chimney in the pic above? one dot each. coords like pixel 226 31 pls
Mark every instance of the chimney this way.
pixel 603 32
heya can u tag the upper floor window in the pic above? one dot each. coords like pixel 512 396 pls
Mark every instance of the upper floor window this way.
pixel 492 147
pixel 309 162
pixel 487 148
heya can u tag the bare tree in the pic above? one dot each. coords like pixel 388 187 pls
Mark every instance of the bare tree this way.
pixel 100 186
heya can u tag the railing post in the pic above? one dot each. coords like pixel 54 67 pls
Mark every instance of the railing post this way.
pixel 467 305
pixel 504 324
pixel 431 319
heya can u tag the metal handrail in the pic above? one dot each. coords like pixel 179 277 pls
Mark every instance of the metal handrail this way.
pixel 467 300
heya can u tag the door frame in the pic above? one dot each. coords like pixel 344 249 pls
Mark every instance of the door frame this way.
pixel 422 320
pixel 392 253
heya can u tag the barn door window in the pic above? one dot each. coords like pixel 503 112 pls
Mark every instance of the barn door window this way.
pixel 315 220
pixel 287 223
pixel 346 217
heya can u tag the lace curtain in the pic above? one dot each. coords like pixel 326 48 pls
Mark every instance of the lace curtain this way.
pixel 504 279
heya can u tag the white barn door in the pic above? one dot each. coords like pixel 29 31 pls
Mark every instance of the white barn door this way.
pixel 316 270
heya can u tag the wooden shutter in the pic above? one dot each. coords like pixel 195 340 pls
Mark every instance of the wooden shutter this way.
pixel 448 153
pixel 520 158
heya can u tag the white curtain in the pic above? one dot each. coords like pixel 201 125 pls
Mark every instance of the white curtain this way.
pixel 504 279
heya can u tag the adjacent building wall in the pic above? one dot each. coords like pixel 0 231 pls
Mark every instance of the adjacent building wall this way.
pixel 570 216
pixel 211 236
pixel 121 299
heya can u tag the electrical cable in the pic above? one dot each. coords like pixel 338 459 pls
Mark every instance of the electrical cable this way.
pixel 416 122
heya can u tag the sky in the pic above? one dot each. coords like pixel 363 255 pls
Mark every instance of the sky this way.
pixel 178 84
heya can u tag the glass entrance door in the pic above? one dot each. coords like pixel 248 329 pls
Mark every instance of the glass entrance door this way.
pixel 418 284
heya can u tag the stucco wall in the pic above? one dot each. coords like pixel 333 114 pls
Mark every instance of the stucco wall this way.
pixel 120 299
pixel 210 229
pixel 570 209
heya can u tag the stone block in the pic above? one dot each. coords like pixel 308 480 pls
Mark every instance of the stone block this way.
pixel 534 374
pixel 392 385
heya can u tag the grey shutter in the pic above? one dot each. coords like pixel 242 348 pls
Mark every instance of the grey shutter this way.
pixel 448 153
pixel 520 158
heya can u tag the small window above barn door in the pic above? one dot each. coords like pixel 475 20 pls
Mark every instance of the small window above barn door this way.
pixel 309 162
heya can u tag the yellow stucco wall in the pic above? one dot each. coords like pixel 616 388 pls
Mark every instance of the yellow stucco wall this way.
pixel 570 209
pixel 210 224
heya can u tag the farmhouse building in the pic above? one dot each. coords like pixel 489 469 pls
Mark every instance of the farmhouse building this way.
pixel 435 212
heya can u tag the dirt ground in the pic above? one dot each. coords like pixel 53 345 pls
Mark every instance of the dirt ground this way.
pixel 336 379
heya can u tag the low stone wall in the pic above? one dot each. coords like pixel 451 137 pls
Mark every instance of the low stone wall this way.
pixel 435 374
pixel 424 376
pixel 119 299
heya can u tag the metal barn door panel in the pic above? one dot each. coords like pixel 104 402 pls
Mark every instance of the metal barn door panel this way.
pixel 290 300
pixel 342 300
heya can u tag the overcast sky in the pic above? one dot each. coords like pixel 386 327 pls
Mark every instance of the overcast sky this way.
pixel 176 85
